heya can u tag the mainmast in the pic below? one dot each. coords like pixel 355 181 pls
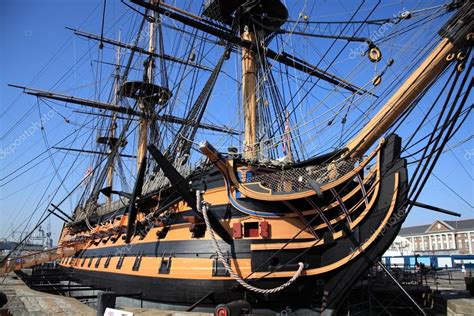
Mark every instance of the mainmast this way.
pixel 249 98
pixel 145 106
pixel 256 25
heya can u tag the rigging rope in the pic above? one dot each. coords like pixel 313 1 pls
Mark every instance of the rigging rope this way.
pixel 204 207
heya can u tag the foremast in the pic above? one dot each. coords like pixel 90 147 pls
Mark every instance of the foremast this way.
pixel 113 123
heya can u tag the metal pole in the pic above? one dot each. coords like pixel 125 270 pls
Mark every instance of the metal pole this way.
pixel 401 287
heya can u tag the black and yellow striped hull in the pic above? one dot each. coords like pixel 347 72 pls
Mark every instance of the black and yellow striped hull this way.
pixel 177 263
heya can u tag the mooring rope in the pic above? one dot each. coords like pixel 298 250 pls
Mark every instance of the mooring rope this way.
pixel 203 206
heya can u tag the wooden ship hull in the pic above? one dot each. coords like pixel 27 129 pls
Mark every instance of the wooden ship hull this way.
pixel 336 233
pixel 296 234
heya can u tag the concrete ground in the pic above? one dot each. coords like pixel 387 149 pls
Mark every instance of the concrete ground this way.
pixel 24 301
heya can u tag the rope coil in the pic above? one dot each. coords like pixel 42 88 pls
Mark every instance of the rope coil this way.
pixel 203 206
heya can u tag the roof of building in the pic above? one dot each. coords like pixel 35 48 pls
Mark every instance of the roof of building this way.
pixel 466 224
pixel 413 230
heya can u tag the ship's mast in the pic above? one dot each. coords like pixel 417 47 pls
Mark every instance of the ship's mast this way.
pixel 113 123
pixel 148 78
pixel 249 98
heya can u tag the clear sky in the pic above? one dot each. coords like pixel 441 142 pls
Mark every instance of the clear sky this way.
pixel 37 50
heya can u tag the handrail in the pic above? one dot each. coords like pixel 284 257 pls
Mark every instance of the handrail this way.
pixel 243 188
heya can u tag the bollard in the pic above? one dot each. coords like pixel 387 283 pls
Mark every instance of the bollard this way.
pixel 469 284
pixel 104 300
pixel 3 299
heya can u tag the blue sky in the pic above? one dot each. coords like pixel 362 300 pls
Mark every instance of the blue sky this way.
pixel 36 50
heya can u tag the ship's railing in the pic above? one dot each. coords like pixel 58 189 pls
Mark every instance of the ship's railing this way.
pixel 159 180
pixel 114 206
pixel 33 259
pixel 299 178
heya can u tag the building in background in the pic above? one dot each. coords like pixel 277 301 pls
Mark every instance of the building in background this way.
pixel 400 247
pixel 439 238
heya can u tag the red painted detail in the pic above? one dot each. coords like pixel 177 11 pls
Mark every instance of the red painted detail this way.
pixel 191 219
pixel 264 229
pixel 221 311
pixel 237 230
pixel 251 229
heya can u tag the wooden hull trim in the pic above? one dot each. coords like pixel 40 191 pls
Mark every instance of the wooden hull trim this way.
pixel 193 267
pixel 245 190
pixel 336 235
pixel 185 225
pixel 281 213
pixel 200 270
pixel 349 257
pixel 201 267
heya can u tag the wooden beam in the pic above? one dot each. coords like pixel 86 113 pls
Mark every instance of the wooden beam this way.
pixel 229 36
pixel 181 185
pixel 434 208
pixel 249 94
pixel 91 152
pixel 118 109
pixel 138 49
pixel 62 212
pixel 456 34
pixel 416 83
pixel 76 100
pixel 137 192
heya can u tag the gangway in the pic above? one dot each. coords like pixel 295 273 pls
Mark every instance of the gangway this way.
pixel 36 258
